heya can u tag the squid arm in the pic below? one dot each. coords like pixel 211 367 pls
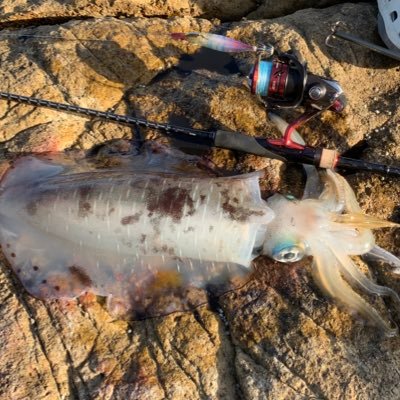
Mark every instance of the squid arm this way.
pixel 346 231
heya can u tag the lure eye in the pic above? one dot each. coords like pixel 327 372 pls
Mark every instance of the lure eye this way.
pixel 288 254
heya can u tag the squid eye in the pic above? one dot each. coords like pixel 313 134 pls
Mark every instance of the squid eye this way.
pixel 288 254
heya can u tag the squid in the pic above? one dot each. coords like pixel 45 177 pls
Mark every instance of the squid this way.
pixel 151 230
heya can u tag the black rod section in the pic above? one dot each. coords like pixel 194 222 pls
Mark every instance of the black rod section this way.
pixel 371 46
pixel 311 155
pixel 361 165
pixel 223 139
pixel 195 135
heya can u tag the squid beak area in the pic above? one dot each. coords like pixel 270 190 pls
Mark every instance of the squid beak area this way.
pixel 362 221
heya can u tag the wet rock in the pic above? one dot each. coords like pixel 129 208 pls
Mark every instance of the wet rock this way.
pixel 272 9
pixel 278 337
pixel 224 10
pixel 59 10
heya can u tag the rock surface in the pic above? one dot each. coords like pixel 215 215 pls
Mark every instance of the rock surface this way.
pixel 26 11
pixel 273 9
pixel 278 337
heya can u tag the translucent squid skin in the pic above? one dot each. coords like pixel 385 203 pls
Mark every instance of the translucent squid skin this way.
pixel 66 230
pixel 155 222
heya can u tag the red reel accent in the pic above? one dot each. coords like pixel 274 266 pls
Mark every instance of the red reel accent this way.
pixel 337 106
pixel 254 80
pixel 286 140
pixel 279 76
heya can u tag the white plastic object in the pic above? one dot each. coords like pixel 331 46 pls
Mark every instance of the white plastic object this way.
pixel 389 22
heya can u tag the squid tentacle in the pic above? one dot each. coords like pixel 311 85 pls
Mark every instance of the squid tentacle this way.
pixel 350 270
pixel 327 273
pixel 330 225
pixel 379 254
pixel 333 195
pixel 351 203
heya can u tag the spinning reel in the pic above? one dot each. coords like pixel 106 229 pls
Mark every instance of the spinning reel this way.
pixel 283 82
pixel 280 80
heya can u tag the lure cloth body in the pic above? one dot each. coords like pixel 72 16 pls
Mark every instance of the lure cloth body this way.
pixel 124 231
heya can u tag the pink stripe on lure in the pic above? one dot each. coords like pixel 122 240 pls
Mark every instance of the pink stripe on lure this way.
pixel 215 42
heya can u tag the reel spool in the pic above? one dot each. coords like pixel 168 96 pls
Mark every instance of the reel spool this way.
pixel 283 82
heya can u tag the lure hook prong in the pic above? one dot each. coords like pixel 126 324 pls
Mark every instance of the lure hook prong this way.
pixel 267 50
pixel 345 35
pixel 332 35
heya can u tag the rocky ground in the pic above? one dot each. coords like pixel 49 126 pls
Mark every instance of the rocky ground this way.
pixel 278 337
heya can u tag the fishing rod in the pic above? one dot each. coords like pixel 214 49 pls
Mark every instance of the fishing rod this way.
pixel 279 80
pixel 270 148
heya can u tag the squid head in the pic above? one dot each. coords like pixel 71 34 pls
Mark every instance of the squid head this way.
pixel 331 229
pixel 328 224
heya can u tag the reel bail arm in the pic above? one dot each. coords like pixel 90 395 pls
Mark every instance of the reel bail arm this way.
pixel 286 140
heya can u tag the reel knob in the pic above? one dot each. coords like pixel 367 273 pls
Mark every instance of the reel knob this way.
pixel 316 92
